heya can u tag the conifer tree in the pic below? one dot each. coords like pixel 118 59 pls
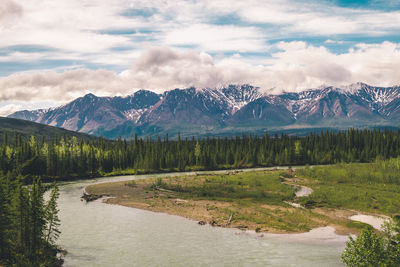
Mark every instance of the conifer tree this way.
pixel 51 212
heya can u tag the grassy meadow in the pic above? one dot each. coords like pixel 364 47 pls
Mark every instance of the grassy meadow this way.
pixel 372 187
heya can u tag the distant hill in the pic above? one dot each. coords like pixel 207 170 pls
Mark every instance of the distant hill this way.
pixel 28 128
pixel 225 111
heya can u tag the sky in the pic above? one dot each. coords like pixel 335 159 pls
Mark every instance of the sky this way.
pixel 52 52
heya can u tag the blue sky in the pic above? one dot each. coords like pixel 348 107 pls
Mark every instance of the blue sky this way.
pixel 54 51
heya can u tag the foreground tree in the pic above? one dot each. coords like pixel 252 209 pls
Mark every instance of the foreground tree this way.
pixel 4 218
pixel 370 249
pixel 28 225
pixel 366 250
pixel 51 213
pixel 392 239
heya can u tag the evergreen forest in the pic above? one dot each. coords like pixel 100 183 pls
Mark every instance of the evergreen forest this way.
pixel 68 157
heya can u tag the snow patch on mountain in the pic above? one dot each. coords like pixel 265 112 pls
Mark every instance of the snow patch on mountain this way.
pixel 134 114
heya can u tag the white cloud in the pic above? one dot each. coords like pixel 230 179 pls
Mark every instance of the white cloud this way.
pixel 296 66
pixel 317 18
pixel 217 38
pixel 164 68
pixel 72 29
pixel 330 41
pixel 376 64
pixel 9 9
pixel 9 109
pixel 81 27
pixel 58 87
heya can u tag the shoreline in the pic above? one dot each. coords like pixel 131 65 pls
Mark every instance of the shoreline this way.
pixel 318 235
pixel 328 232
pixel 245 168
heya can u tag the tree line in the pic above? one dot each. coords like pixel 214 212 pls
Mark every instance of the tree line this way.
pixel 70 157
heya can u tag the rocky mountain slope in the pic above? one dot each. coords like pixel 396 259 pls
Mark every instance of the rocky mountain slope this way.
pixel 236 108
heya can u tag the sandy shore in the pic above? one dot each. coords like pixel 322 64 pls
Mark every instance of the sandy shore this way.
pixel 375 221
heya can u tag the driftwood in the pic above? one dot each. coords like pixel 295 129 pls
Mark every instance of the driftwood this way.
pixel 180 201
pixel 229 220
pixel 163 190
pixel 90 197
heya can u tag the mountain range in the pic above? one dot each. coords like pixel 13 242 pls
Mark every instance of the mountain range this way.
pixel 224 111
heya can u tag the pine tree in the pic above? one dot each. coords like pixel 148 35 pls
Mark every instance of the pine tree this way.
pixel 36 218
pixel 4 219
pixel 197 152
pixel 51 214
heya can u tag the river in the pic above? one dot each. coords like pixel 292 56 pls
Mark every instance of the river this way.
pixel 98 234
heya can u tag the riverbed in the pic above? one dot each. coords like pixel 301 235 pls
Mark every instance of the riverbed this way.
pixel 99 234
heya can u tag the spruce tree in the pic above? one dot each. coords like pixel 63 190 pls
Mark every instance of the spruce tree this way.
pixel 51 214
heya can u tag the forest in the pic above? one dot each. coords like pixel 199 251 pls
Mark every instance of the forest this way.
pixel 68 157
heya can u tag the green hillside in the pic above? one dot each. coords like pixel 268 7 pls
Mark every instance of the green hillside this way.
pixel 27 129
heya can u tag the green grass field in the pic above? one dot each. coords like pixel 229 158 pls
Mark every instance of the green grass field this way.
pixel 263 187
pixel 373 187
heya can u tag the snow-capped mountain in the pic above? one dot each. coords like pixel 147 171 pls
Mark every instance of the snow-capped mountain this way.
pixel 330 103
pixel 232 108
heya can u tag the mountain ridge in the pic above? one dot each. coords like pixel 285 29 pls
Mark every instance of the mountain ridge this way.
pixel 231 108
pixel 26 129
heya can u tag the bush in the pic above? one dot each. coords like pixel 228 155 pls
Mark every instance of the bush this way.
pixel 370 249
pixel 159 184
pixel 366 250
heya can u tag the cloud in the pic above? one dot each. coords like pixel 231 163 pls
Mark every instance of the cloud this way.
pixel 112 34
pixel 316 18
pixel 9 109
pixel 58 87
pixel 301 66
pixel 165 68
pixel 330 41
pixel 8 9
pixel 218 38
pixel 69 26
pixel 294 67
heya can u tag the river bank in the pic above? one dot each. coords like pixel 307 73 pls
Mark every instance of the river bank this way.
pixel 131 172
pixel 256 201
